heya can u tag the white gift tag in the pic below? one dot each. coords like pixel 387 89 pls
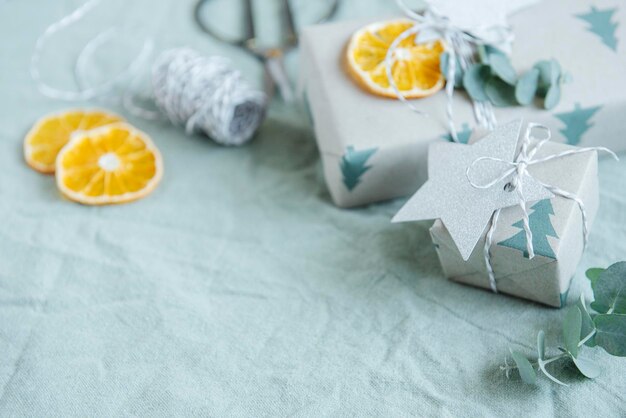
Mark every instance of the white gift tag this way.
pixel 513 6
pixel 472 15
pixel 450 194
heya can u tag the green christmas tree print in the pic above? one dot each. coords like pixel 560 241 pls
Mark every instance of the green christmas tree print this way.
pixel 541 228
pixel 576 122
pixel 463 135
pixel 601 24
pixel 353 165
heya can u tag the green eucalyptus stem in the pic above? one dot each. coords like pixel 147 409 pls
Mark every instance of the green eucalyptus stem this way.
pixel 604 328
pixel 587 338
pixel 555 358
pixel 535 363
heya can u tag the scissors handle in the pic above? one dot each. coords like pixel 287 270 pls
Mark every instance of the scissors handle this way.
pixel 275 66
pixel 273 59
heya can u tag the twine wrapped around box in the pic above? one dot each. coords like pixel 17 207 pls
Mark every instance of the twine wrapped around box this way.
pixel 516 171
pixel 461 45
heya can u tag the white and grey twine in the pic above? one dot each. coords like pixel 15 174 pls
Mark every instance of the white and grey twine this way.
pixel 206 94
pixel 459 44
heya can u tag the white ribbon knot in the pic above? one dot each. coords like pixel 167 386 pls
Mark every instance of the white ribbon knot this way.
pixel 459 44
pixel 518 169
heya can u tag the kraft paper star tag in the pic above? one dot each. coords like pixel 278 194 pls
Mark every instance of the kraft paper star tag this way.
pixel 449 195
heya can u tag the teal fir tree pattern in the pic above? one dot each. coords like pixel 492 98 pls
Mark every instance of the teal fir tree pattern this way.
pixel 541 228
pixel 576 122
pixel 353 165
pixel 600 23
pixel 463 135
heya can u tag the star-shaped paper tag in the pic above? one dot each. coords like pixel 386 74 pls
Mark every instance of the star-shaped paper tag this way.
pixel 449 195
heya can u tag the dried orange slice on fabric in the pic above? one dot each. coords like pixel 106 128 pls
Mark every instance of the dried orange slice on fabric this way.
pixel 46 138
pixel 415 69
pixel 112 164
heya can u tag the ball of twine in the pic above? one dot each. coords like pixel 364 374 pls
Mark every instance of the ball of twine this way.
pixel 206 94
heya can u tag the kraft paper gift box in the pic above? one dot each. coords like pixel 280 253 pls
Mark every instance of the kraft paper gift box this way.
pixel 373 149
pixel 557 230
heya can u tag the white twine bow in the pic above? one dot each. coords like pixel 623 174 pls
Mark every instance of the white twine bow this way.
pixel 518 169
pixel 459 44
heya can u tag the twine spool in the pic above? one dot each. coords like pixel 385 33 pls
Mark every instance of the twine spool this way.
pixel 206 94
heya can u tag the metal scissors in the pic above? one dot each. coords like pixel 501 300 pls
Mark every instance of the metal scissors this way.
pixel 271 57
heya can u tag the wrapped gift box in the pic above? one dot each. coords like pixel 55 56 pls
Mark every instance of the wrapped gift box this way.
pixel 557 229
pixel 375 149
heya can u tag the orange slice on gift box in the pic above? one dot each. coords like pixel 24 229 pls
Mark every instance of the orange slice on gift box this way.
pixel 48 136
pixel 112 164
pixel 415 69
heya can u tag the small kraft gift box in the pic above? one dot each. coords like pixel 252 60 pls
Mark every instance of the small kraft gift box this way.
pixel 374 148
pixel 491 197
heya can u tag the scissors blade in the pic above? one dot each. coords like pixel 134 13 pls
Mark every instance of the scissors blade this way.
pixel 290 24
pixel 249 21
pixel 275 67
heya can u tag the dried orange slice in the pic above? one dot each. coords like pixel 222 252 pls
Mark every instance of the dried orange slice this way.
pixel 111 164
pixel 46 138
pixel 415 69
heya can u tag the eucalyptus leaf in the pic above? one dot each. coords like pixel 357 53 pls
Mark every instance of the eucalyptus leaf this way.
pixel 542 367
pixel 611 333
pixel 549 75
pixel 501 66
pixel 458 73
pixel 593 273
pixel 541 345
pixel 526 371
pixel 526 87
pixel 549 71
pixel 553 97
pixel 492 50
pixel 571 330
pixel 565 78
pixel 500 93
pixel 587 326
pixel 474 81
pixel 588 368
pixel 486 51
pixel 609 289
pixel 598 307
pixel 483 54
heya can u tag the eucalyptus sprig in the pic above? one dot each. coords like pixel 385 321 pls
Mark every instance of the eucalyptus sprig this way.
pixel 606 328
pixel 492 78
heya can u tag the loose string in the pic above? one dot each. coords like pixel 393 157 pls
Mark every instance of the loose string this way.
pixel 518 169
pixel 459 45
pixel 83 93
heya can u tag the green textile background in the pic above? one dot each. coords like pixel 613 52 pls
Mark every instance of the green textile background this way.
pixel 237 288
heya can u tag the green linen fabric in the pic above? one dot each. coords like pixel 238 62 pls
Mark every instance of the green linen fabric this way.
pixel 237 288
